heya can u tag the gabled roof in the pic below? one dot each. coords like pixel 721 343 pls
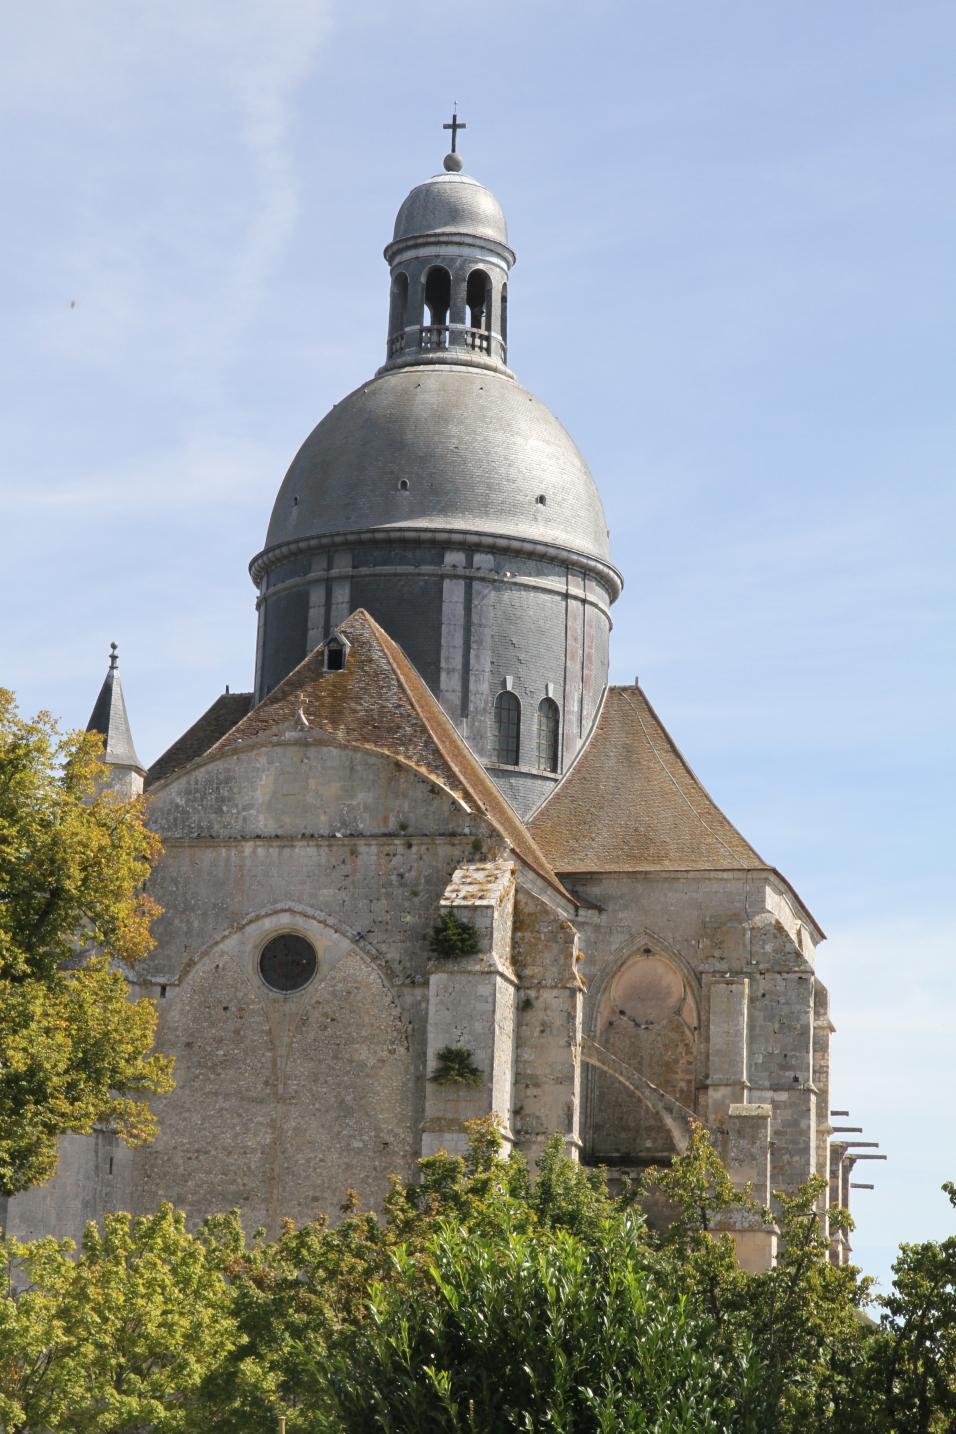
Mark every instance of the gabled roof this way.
pixel 228 709
pixel 378 701
pixel 631 803
pixel 110 719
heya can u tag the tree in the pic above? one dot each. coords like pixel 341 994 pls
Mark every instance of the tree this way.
pixel 530 1329
pixel 75 1051
pixel 484 1298
pixel 803 1315
pixel 916 1350
pixel 117 1340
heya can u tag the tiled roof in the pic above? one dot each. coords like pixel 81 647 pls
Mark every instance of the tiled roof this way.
pixel 378 700
pixel 631 803
pixel 215 722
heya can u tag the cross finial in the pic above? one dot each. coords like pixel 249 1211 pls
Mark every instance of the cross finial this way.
pixel 114 660
pixel 455 126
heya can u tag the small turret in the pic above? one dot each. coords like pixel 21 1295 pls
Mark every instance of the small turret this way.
pixel 125 772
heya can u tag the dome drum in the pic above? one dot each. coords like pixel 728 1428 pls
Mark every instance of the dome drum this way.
pixel 473 620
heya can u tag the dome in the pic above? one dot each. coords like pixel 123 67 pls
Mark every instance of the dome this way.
pixel 451 204
pixel 442 447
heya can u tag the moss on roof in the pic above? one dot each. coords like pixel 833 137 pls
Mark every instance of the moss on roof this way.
pixel 378 701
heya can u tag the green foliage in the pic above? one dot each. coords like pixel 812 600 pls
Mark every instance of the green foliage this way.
pixel 117 1340
pixel 74 1050
pixel 527 1329
pixel 803 1316
pixel 484 1298
pixel 454 1066
pixel 916 1347
pixel 452 937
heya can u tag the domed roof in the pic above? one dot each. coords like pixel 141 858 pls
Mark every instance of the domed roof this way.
pixel 452 204
pixel 474 450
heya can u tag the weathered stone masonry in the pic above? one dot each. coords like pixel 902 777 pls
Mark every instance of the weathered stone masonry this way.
pixel 430 731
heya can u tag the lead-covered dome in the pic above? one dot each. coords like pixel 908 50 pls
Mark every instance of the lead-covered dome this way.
pixel 442 448
pixel 451 204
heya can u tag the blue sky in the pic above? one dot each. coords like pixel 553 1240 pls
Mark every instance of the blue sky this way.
pixel 735 227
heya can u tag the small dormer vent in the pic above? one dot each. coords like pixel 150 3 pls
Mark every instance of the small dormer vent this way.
pixel 336 652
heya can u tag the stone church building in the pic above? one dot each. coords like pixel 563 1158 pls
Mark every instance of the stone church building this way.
pixel 431 731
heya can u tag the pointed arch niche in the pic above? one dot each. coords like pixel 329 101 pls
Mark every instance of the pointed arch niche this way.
pixel 647 1018
pixel 287 1092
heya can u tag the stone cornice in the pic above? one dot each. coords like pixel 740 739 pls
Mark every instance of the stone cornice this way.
pixel 437 537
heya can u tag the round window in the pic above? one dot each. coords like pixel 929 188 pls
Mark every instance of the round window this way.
pixel 287 962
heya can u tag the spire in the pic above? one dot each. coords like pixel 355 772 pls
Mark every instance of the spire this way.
pixel 110 719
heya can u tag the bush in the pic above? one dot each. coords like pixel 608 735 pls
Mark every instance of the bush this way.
pixel 454 1066
pixel 452 937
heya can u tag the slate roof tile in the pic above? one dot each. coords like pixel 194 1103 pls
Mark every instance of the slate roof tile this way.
pixel 215 722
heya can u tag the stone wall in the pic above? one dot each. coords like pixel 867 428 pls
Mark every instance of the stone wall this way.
pixel 469 621
pixel 742 952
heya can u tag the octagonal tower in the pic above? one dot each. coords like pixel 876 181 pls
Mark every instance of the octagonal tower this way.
pixel 446 500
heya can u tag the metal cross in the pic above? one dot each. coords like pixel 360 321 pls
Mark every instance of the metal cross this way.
pixel 455 126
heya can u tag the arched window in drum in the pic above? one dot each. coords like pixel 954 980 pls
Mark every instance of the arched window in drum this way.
pixel 549 727
pixel 507 729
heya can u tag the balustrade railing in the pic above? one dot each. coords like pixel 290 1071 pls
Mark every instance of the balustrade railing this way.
pixel 433 336
pixel 429 337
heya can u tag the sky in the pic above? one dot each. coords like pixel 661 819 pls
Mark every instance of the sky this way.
pixel 735 228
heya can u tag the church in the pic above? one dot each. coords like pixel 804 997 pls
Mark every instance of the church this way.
pixel 432 866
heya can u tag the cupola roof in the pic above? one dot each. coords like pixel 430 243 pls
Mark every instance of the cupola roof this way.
pixel 451 203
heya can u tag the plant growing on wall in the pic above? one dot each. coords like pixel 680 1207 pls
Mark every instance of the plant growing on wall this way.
pixel 453 937
pixel 454 1066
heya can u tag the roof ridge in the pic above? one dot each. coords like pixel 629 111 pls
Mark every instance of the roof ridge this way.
pixel 389 646
pixel 199 737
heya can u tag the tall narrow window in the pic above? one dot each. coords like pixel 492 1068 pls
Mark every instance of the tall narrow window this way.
pixel 507 729
pixel 504 319
pixel 549 726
